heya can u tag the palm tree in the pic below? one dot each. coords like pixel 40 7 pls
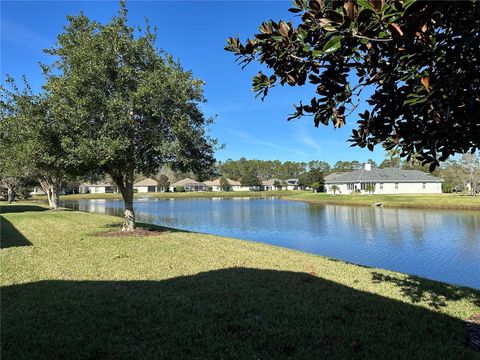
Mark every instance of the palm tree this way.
pixel 334 188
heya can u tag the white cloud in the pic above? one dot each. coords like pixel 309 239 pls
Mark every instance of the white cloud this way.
pixel 253 140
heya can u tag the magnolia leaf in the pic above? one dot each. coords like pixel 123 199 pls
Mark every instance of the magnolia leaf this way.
pixel 426 82
pixel 395 29
pixel 333 44
pixel 283 28
pixel 366 4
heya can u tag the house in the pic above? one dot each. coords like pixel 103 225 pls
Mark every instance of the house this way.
pixel 147 185
pixel 268 185
pixel 292 184
pixel 37 190
pixel 189 185
pixel 383 181
pixel 97 188
pixel 234 185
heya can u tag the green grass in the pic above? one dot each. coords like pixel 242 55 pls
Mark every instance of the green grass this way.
pixel 434 201
pixel 69 291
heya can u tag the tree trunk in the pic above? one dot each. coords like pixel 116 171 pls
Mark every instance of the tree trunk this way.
pixel 125 185
pixel 10 195
pixel 129 212
pixel 55 198
pixel 47 189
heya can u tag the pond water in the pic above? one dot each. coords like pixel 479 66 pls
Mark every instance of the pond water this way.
pixel 436 244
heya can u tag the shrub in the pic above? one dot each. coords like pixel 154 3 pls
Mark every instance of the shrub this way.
pixel 180 188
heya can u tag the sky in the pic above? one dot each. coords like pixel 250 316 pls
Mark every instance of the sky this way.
pixel 195 33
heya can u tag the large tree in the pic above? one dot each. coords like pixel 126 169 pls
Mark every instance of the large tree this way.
pixel 419 60
pixel 131 108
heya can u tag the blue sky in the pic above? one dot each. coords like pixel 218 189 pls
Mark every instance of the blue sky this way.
pixel 195 33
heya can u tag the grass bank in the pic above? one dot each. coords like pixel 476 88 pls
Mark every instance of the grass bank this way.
pixel 433 201
pixel 174 195
pixel 71 291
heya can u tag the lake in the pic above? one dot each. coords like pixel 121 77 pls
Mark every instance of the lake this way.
pixel 436 244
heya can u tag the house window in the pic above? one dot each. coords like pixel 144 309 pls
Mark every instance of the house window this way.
pixel 396 186
pixel 381 186
pixel 350 186
pixel 365 186
pixel 424 185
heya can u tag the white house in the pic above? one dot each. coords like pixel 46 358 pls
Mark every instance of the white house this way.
pixel 234 185
pixel 147 185
pixel 268 185
pixel 292 184
pixel 97 188
pixel 189 185
pixel 384 181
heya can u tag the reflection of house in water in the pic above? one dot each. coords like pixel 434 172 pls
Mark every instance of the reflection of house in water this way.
pixel 377 223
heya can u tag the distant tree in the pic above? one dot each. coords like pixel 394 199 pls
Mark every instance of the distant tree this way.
pixel 334 188
pixel 345 166
pixel 131 108
pixel 425 92
pixel 453 175
pixel 34 140
pixel 316 186
pixel 164 182
pixel 323 166
pixel 372 162
pixel 470 164
pixel 308 178
pixel 277 185
pixel 370 188
pixel 392 160
pixel 224 184
pixel 251 180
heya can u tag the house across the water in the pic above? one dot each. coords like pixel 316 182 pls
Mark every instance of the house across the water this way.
pixel 269 185
pixel 147 185
pixel 189 185
pixel 97 188
pixel 383 181
pixel 234 185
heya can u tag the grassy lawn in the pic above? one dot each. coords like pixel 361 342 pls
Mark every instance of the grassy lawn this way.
pixel 434 201
pixel 70 291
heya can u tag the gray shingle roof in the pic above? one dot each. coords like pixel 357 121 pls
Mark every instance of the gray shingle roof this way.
pixel 381 176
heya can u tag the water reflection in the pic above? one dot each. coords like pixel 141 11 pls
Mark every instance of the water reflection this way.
pixel 442 245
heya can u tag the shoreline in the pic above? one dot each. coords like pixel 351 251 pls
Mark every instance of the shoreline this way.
pixel 420 201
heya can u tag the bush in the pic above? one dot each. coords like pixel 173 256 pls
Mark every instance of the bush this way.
pixel 180 188
pixel 210 188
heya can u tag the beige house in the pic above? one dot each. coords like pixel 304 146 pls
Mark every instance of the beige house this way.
pixel 268 185
pixel 147 185
pixel 189 185
pixel 383 181
pixel 97 188
pixel 234 185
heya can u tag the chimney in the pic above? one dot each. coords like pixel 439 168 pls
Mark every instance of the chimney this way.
pixel 367 167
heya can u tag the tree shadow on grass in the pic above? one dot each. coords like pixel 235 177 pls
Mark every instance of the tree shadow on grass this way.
pixel 10 236
pixel 434 293
pixel 6 209
pixel 235 313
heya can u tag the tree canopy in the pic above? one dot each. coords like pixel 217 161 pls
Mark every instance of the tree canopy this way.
pixel 420 61
pixel 130 107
